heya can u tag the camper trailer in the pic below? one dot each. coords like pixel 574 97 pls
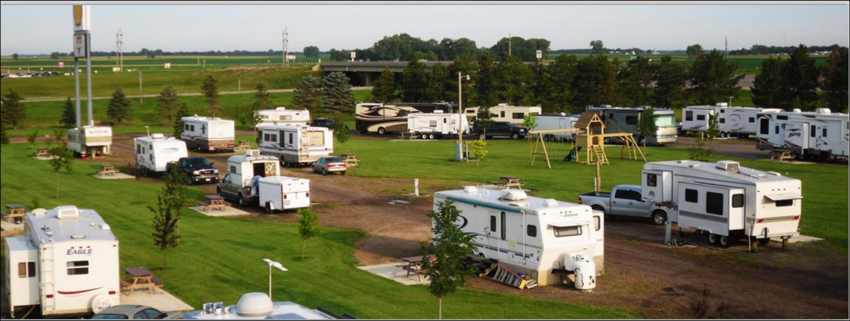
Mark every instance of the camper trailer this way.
pixel 295 144
pixel 531 235
pixel 695 118
pixel 627 120
pixel 154 152
pixel 258 305
pixel 91 141
pixel 208 133
pixel 391 117
pixel 238 183
pixel 281 115
pixel 808 134
pixel 66 263
pixel 724 200
pixel 436 124
pixel 278 193
pixel 505 112
pixel 554 122
pixel 731 122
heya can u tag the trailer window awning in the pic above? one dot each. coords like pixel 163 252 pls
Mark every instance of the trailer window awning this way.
pixel 784 197
pixel 564 224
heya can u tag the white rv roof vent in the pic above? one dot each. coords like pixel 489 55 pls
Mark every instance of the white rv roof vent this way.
pixel 157 136
pixel 823 111
pixel 78 236
pixel 438 111
pixel 722 105
pixel 797 110
pixel 503 105
pixel 774 173
pixel 514 195
pixel 684 161
pixel 563 114
pixel 605 106
pixel 280 108
pixel 729 166
pixel 550 202
pixel 254 304
pixel 65 212
pixel 470 190
pixel 253 153
pixel 39 211
pixel 105 226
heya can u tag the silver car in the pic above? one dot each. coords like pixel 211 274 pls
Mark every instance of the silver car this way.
pixel 135 312
pixel 329 164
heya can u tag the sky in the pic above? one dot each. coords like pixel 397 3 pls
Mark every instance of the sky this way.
pixel 41 29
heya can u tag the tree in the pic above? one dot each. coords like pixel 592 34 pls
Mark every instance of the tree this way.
pixel 767 87
pixel 14 56
pixel 445 265
pixel 337 95
pixel 311 51
pixel 513 77
pixel 32 137
pixel 478 149
pixel 414 82
pixel 384 87
pixel 670 83
pixel 169 205
pixel 54 55
pixel 713 78
pixel 834 77
pixel 647 125
pixel 210 90
pixel 485 84
pixel 694 51
pixel 119 107
pixel 13 112
pixel 167 103
pixel 529 121
pixel 634 82
pixel 465 65
pixel 435 90
pixel 308 227
pixel 308 95
pixel 595 82
pixel 4 138
pixel 182 111
pixel 69 115
pixel 62 157
pixel 598 47
pixel 558 84
pixel 799 81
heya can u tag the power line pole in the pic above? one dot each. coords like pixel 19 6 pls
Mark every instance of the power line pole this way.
pixel 285 45
pixel 119 50
pixel 726 49
pixel 509 44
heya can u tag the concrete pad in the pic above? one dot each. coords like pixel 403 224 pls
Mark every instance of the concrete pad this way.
pixel 229 211
pixel 159 299
pixel 10 228
pixel 44 158
pixel 115 176
pixel 798 239
pixel 392 272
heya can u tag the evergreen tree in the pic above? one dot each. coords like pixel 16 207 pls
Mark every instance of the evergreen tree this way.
pixel 465 65
pixel 634 81
pixel 485 84
pixel 4 138
pixel 513 76
pixel 167 103
pixel 559 84
pixel 670 83
pixel 694 51
pixel 337 95
pixel 13 109
pixel 767 87
pixel 169 205
pixel 210 90
pixel 437 83
pixel 119 107
pixel 835 80
pixel 647 124
pixel 182 111
pixel 383 89
pixel 69 114
pixel 799 81
pixel 713 78
pixel 308 95
pixel 308 227
pixel 595 82
pixel 414 82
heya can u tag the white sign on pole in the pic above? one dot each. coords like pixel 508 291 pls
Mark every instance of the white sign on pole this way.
pixel 290 57
pixel 353 54
pixel 539 54
pixel 79 45
pixel 82 17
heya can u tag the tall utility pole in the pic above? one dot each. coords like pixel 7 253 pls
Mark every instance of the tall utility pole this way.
pixel 119 50
pixel 509 44
pixel 285 45
pixel 726 48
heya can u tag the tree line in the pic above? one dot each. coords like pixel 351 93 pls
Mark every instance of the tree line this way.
pixel 772 50
pixel 403 47
pixel 793 83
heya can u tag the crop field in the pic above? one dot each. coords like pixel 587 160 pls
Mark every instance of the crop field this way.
pixel 177 62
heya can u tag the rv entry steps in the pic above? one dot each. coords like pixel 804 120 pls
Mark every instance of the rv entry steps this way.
pixel 504 275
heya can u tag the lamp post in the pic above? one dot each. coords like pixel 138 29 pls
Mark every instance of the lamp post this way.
pixel 459 147
pixel 148 130
pixel 730 101
pixel 279 267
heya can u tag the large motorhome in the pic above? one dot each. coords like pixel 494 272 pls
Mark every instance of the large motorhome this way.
pixel 295 144
pixel 732 121
pixel 627 119
pixel 530 235
pixel 436 124
pixel 66 263
pixel 556 121
pixel 505 112
pixel 154 152
pixel 391 117
pixel 725 200
pixel 809 134
pixel 208 133
pixel 281 115
pixel 91 141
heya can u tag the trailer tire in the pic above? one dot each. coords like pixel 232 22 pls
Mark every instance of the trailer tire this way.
pixel 764 242
pixel 431 136
pixel 268 208
pixel 725 241
pixel 659 217
pixel 712 239
pixel 382 130
pixel 101 302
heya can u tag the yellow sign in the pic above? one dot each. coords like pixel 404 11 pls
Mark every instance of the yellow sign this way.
pixel 78 15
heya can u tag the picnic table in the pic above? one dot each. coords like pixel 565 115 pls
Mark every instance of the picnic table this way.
pixel 413 265
pixel 14 213
pixel 243 145
pixel 214 201
pixel 41 152
pixel 410 136
pixel 511 181
pixel 140 278
pixel 349 159
pixel 107 169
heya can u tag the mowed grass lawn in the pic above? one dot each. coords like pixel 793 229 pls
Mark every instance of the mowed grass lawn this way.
pixel 219 259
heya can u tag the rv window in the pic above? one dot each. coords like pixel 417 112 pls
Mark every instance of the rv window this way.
pixel 192 127
pixel 138 149
pixel 784 203
pixel 776 130
pixel 631 120
pixel 203 129
pixel 561 231
pixel 492 223
pixel 78 267
pixel 700 117
pixel 782 117
pixel 764 126
pixel 596 221
pixel 233 169
pixel 814 131
pixel 824 132
pixel 186 127
pixel 531 230
pixel 26 269
pixel 722 120
pixel 150 156
pixel 738 200
pixel 266 137
pixel 691 196
pixel 651 180
pixel 689 115
pixel 714 203
pixel 432 123
pixel 503 114
pixel 504 222
pixel 752 119
pixel 444 120
pixel 291 139
pixel 518 115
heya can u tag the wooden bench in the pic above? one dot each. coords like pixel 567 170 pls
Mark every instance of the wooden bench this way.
pixel 211 203
pixel 781 155
pixel 41 152
pixel 350 159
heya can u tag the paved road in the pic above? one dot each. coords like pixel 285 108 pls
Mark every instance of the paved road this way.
pixel 182 94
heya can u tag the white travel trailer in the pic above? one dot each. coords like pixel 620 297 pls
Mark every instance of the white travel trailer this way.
pixel 627 120
pixel 809 134
pixel 725 200
pixel 695 118
pixel 295 144
pixel 531 235
pixel 257 305
pixel 154 152
pixel 238 183
pixel 284 193
pixel 436 124
pixel 66 263
pixel 505 112
pixel 556 121
pixel 281 115
pixel 208 133
pixel 732 121
pixel 90 140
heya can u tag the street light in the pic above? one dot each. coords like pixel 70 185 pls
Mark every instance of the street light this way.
pixel 730 101
pixel 459 146
pixel 148 130
pixel 279 267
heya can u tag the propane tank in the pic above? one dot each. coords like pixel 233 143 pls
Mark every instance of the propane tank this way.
pixel 585 273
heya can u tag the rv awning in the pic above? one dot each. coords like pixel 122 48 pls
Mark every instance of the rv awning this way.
pixel 565 224
pixel 784 197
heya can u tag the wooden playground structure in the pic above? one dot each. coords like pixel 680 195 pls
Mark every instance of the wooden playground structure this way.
pixel 587 138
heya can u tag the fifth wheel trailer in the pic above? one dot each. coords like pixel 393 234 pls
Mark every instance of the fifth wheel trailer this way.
pixel 732 121
pixel 90 141
pixel 809 134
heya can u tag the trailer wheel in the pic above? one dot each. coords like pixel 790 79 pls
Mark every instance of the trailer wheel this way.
pixel 712 239
pixel 431 136
pixel 764 242
pixel 725 241
pixel 659 217
pixel 268 208
pixel 381 131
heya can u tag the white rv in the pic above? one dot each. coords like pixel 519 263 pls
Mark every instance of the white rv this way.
pixel 505 112
pixel 530 235
pixel 732 121
pixel 238 183
pixel 283 193
pixel 90 140
pixel 695 118
pixel 208 133
pixel 809 134
pixel 436 124
pixel 725 200
pixel 556 121
pixel 281 115
pixel 257 305
pixel 66 263
pixel 627 120
pixel 154 152
pixel 295 144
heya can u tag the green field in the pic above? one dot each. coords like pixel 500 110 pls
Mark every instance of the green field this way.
pixel 132 62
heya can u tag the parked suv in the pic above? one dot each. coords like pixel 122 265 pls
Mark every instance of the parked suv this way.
pixel 323 122
pixel 198 169
pixel 500 128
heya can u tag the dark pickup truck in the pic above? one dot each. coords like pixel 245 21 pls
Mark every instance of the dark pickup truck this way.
pixel 500 128
pixel 198 169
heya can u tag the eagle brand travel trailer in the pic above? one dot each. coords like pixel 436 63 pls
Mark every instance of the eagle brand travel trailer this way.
pixel 154 152
pixel 556 121
pixel 505 112
pixel 732 121
pixel 436 124
pixel 391 117
pixel 531 235
pixel 809 134
pixel 281 115
pixel 295 144
pixel 725 200
pixel 283 193
pixel 66 263
pixel 90 140
pixel 257 305
pixel 238 183
pixel 627 120
pixel 208 133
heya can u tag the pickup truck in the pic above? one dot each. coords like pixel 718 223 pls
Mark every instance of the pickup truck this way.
pixel 500 128
pixel 198 169
pixel 625 200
